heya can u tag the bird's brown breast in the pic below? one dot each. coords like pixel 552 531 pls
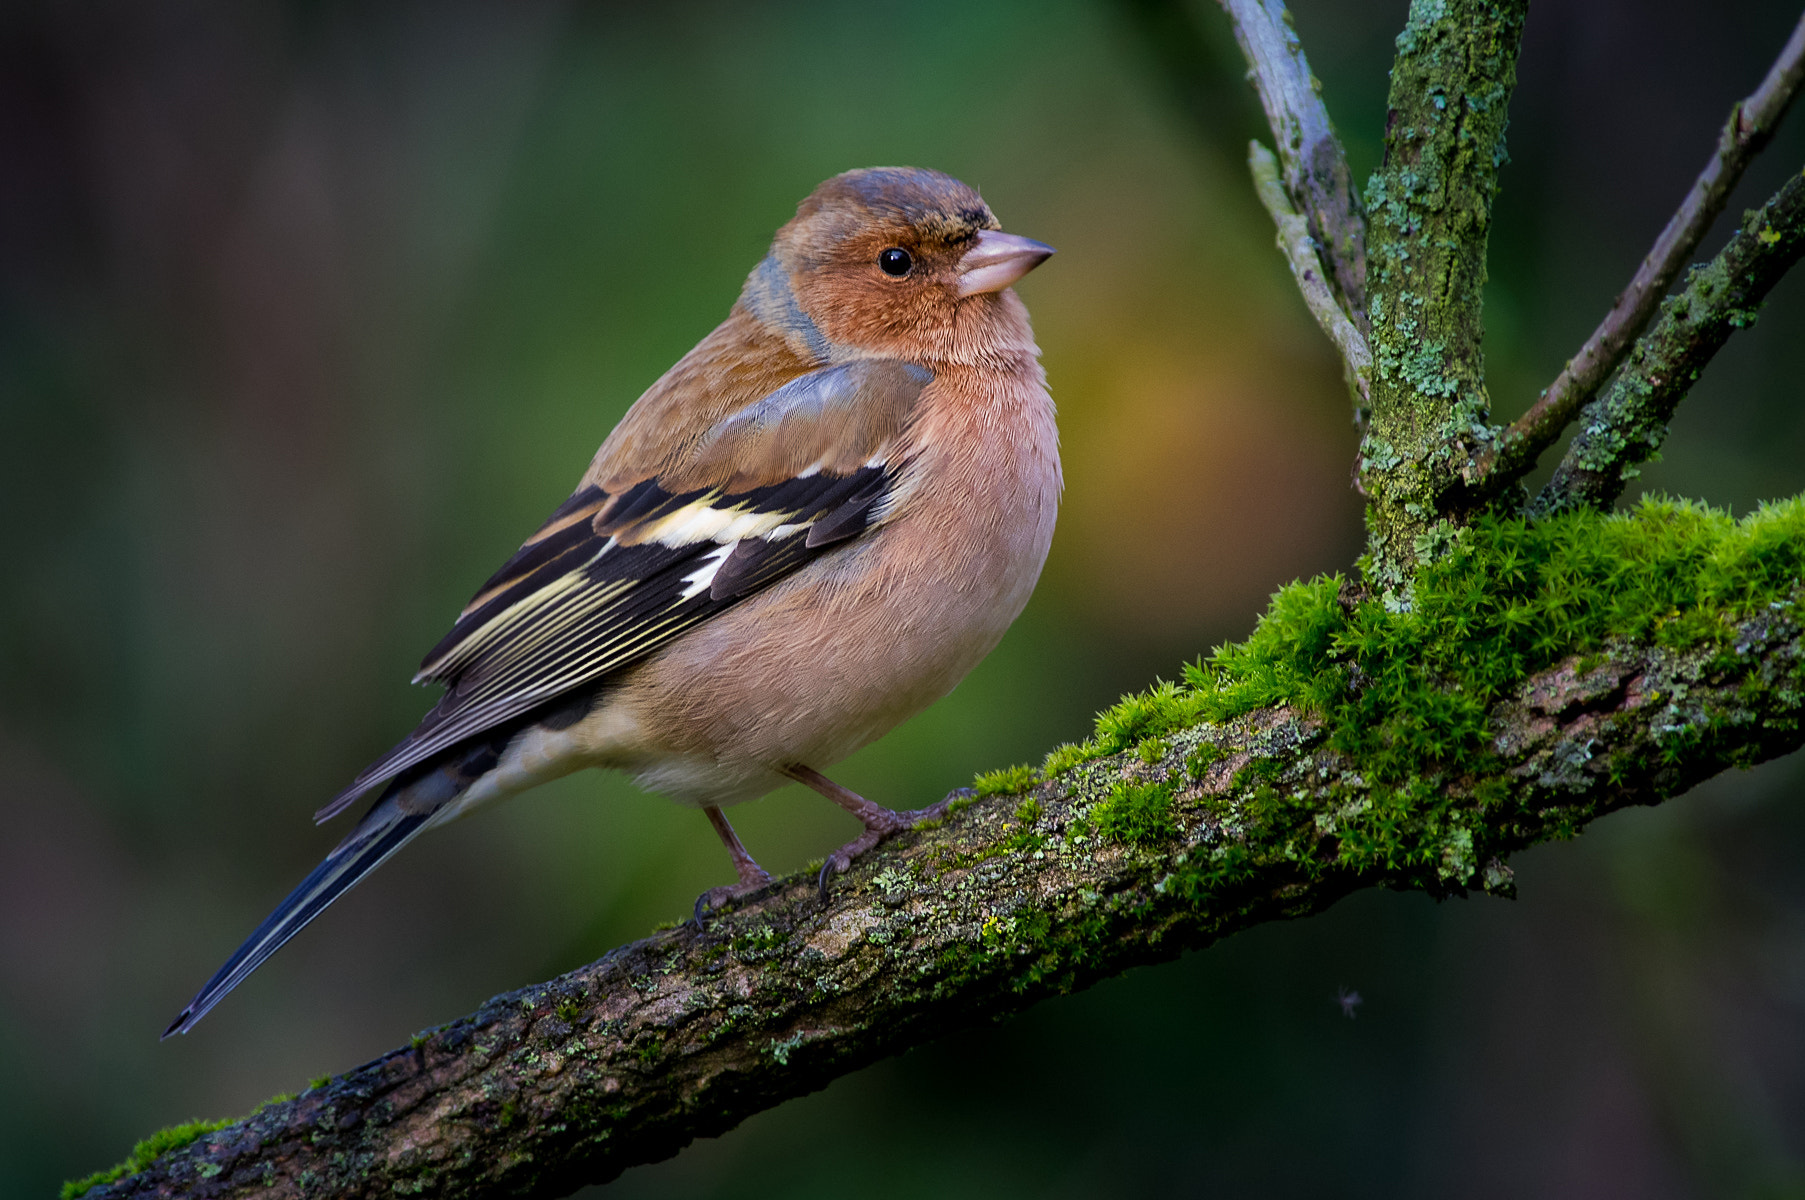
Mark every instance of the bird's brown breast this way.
pixel 827 660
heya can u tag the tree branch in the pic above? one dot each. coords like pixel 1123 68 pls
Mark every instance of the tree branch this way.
pixel 1316 174
pixel 1750 126
pixel 1430 205
pixel 1627 425
pixel 1299 248
pixel 1344 746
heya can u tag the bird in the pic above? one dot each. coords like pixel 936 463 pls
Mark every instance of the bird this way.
pixel 810 528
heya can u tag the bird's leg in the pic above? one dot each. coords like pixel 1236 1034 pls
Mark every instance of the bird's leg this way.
pixel 752 876
pixel 879 822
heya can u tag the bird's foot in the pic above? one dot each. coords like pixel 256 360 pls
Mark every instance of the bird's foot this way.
pixel 716 899
pixel 753 878
pixel 881 824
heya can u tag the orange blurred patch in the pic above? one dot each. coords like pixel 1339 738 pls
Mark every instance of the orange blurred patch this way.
pixel 1196 487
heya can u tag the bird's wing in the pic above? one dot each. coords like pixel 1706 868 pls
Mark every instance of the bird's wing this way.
pixel 613 575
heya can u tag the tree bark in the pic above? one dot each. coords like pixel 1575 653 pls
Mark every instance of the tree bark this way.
pixel 1430 212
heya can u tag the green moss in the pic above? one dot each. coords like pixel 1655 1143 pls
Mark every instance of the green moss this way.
pixel 1024 841
pixel 1161 710
pixel 1406 695
pixel 1152 749
pixel 1064 757
pixel 1135 813
pixel 1008 779
pixel 1200 760
pixel 1258 773
pixel 759 941
pixel 145 1153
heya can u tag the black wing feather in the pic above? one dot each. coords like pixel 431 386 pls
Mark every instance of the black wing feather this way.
pixel 850 518
pixel 574 604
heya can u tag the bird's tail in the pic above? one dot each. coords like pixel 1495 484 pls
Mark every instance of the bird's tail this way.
pixel 386 828
pixel 414 801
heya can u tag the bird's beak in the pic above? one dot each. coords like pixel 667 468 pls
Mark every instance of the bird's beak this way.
pixel 997 260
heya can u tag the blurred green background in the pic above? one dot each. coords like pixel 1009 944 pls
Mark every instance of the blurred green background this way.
pixel 309 312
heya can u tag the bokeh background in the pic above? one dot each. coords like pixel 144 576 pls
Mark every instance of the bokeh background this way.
pixel 310 311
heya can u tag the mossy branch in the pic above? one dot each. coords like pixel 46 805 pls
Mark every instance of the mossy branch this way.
pixel 1429 207
pixel 1547 674
pixel 1626 426
pixel 1751 124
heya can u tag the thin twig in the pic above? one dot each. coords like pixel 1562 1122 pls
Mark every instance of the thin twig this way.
pixel 1306 268
pixel 1626 425
pixel 1750 125
pixel 1316 173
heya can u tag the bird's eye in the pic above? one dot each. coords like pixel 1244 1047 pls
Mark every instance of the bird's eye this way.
pixel 895 261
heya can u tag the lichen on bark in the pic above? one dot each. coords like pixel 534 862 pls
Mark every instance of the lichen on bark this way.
pixel 1429 217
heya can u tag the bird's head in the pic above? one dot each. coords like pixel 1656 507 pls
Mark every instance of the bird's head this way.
pixel 897 260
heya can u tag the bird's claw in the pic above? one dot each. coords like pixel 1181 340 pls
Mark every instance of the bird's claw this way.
pixel 717 899
pixel 833 866
pixel 891 824
pixel 840 861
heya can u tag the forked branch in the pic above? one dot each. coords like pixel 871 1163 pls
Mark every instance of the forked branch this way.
pixel 1626 425
pixel 1750 125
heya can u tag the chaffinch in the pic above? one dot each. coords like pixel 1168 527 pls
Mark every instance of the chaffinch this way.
pixel 811 528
